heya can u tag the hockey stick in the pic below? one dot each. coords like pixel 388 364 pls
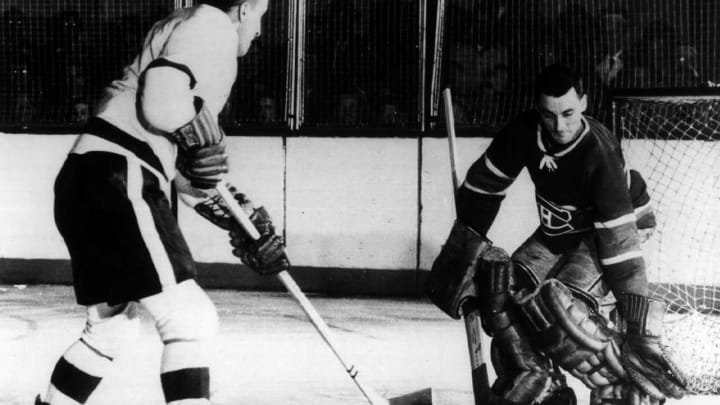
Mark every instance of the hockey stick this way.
pixel 471 312
pixel 423 397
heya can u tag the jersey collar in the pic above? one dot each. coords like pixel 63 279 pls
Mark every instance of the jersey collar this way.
pixel 567 149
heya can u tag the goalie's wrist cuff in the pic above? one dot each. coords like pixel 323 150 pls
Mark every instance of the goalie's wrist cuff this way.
pixel 643 315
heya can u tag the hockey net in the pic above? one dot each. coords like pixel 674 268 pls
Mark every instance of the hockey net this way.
pixel 674 142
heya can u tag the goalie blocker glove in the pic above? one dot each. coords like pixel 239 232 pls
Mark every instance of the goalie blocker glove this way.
pixel 451 281
pixel 265 255
pixel 201 157
pixel 644 357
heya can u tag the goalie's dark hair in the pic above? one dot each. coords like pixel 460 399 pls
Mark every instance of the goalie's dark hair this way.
pixel 226 5
pixel 556 80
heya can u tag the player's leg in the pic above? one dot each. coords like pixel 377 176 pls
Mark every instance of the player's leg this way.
pixel 187 323
pixel 523 374
pixel 580 272
pixel 80 369
pixel 566 319
pixel 125 243
pixel 532 264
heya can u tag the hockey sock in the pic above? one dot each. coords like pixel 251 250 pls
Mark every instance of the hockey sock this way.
pixel 185 374
pixel 77 374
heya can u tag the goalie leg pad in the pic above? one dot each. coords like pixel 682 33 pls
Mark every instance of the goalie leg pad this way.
pixel 578 339
pixel 523 374
pixel 451 280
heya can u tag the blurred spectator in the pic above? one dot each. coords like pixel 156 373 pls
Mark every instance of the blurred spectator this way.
pixel 65 75
pixel 348 109
pixel 659 59
pixel 80 112
pixel 14 23
pixel 267 110
pixel 20 85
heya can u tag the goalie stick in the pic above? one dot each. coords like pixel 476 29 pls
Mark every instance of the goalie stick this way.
pixel 471 312
pixel 422 397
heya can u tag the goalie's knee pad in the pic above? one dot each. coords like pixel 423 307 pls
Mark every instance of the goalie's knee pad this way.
pixel 183 312
pixel 109 329
pixel 572 335
pixel 523 374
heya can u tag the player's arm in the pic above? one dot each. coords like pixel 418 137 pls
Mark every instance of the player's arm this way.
pixel 644 213
pixel 479 197
pixel 451 280
pixel 166 98
pixel 168 105
pixel 647 362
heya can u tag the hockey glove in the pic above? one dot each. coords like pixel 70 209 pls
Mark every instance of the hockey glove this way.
pixel 451 281
pixel 644 357
pixel 621 393
pixel 204 167
pixel 201 156
pixel 265 255
pixel 216 211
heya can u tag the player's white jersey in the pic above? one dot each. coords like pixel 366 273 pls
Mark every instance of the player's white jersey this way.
pixel 202 41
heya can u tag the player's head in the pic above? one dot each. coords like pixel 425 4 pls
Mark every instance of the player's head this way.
pixel 560 99
pixel 246 15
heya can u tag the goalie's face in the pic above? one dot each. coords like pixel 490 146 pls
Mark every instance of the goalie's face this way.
pixel 562 116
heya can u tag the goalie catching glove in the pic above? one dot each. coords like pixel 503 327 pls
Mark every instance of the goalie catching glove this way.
pixel 646 360
pixel 201 158
pixel 621 393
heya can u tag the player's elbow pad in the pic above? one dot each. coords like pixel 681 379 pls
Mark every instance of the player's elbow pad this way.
pixel 165 99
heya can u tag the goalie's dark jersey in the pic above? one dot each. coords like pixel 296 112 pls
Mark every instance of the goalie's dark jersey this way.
pixel 579 188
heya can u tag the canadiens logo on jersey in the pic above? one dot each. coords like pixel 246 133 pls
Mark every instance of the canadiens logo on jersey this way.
pixel 558 220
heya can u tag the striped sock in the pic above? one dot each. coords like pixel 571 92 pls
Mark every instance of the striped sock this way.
pixel 185 375
pixel 77 374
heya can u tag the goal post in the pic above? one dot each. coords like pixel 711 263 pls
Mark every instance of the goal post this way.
pixel 672 138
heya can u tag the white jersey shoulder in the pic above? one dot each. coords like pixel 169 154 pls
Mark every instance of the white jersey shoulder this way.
pixel 201 38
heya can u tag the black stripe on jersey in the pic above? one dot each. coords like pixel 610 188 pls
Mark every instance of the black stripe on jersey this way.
pixel 167 228
pixel 103 129
pixel 72 381
pixel 186 383
pixel 164 62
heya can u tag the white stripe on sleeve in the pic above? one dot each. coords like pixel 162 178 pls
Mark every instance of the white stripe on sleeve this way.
pixel 480 190
pixel 621 258
pixel 489 164
pixel 613 223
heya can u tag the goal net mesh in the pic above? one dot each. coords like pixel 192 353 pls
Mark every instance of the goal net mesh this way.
pixel 674 142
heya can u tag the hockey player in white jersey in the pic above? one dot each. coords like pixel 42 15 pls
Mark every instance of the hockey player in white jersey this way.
pixel 113 202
